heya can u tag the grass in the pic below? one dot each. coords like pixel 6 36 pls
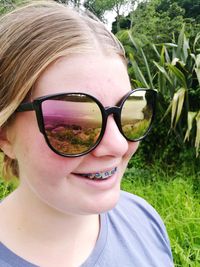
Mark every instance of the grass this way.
pixel 176 196
pixel 177 200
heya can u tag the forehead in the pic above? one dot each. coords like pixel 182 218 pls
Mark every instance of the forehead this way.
pixel 104 77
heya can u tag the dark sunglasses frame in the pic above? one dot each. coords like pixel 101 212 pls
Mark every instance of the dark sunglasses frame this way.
pixel 36 105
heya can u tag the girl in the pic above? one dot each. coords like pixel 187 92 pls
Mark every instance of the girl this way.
pixel 69 123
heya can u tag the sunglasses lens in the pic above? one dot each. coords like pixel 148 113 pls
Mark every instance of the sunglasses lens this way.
pixel 136 114
pixel 72 123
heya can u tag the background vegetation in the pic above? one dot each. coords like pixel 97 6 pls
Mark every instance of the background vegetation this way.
pixel 162 43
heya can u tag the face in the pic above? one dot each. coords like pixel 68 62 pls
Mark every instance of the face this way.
pixel 58 181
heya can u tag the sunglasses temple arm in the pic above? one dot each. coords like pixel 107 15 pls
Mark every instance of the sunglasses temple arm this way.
pixel 25 107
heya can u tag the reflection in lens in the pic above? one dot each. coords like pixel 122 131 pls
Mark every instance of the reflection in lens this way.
pixel 136 114
pixel 72 123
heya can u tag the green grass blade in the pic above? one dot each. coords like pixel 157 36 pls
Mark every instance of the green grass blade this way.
pixel 132 40
pixel 162 69
pixel 178 74
pixel 147 68
pixel 156 50
pixel 138 73
pixel 167 57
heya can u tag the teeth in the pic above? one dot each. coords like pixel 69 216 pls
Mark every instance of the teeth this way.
pixel 100 175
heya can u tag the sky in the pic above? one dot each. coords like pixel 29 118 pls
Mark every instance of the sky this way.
pixel 110 17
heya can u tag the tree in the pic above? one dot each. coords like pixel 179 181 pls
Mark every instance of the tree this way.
pixel 6 5
pixel 191 7
pixel 99 7
pixel 148 25
pixel 121 23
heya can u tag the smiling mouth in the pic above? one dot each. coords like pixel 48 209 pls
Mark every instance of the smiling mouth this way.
pixel 99 175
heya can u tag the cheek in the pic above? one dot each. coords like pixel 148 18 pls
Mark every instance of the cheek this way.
pixel 36 159
pixel 39 161
pixel 133 146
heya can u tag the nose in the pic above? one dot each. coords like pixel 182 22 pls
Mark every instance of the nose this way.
pixel 113 142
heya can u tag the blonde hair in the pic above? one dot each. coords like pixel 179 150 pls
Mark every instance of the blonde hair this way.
pixel 34 36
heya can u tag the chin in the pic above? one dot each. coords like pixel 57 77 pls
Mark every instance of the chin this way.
pixel 105 203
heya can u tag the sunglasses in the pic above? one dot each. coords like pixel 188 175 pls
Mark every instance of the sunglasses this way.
pixel 73 124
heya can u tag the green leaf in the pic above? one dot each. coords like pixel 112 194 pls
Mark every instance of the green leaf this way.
pixel 196 41
pixel 178 74
pixel 147 68
pixel 167 55
pixel 197 140
pixel 132 39
pixel 183 46
pixel 137 83
pixel 186 48
pixel 162 56
pixel 138 74
pixel 197 61
pixel 171 45
pixel 177 106
pixel 181 40
pixel 162 69
pixel 156 50
pixel 198 74
pixel 190 119
pixel 197 69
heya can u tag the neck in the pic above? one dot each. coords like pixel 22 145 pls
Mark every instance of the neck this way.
pixel 33 222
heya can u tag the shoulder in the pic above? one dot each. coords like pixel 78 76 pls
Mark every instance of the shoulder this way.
pixel 133 206
pixel 137 209
pixel 136 235
pixel 135 217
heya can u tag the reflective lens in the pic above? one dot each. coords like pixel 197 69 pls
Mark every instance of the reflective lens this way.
pixel 72 123
pixel 136 114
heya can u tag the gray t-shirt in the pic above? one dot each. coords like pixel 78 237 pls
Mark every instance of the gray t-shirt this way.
pixel 132 235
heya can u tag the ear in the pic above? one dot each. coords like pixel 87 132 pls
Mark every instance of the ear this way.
pixel 5 144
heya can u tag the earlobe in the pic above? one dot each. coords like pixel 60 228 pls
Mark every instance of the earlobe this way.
pixel 5 145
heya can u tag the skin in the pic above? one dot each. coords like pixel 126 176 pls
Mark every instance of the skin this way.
pixel 48 209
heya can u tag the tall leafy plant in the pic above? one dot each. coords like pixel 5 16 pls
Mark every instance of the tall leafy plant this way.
pixel 174 71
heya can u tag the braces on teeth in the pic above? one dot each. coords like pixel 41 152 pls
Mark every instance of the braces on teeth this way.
pixel 100 175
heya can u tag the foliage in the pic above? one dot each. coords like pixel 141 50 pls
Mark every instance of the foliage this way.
pixel 191 7
pixel 6 5
pixel 174 69
pixel 151 26
pixel 100 7
pixel 158 21
pixel 7 187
